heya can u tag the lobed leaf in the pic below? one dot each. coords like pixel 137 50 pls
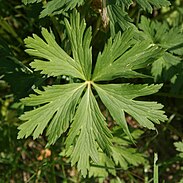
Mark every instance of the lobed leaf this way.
pixel 73 107
pixel 147 4
pixel 122 155
pixel 80 39
pixel 144 112
pixel 123 56
pixel 125 156
pixel 57 109
pixel 57 63
pixel 104 166
pixel 118 16
pixel 55 7
pixel 169 39
pixel 90 127
pixel 167 61
pixel 30 1
pixel 179 147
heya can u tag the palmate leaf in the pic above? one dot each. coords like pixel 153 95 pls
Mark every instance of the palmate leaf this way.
pixel 103 168
pixel 118 16
pixel 145 4
pixel 117 11
pixel 169 39
pixel 164 63
pixel 159 33
pixel 122 155
pixel 55 7
pixel 73 107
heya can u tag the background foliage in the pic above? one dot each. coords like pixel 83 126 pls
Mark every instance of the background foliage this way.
pixel 160 24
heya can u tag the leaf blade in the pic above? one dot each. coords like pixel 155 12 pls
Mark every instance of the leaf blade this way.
pixel 53 113
pixel 80 39
pixel 144 112
pixel 90 127
pixel 54 55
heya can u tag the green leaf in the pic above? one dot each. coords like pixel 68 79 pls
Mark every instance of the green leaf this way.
pixel 124 156
pixel 166 62
pixel 73 108
pixel 122 56
pixel 57 63
pixel 169 39
pixel 80 39
pixel 104 166
pixel 30 1
pixel 179 147
pixel 118 16
pixel 57 108
pixel 55 7
pixel 127 3
pixel 147 4
pixel 122 101
pixel 91 129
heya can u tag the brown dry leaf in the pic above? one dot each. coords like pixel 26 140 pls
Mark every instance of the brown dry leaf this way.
pixel 45 153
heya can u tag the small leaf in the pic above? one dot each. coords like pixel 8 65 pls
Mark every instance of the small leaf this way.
pixel 168 39
pixel 30 1
pixel 179 147
pixel 166 62
pixel 147 4
pixel 125 156
pixel 118 16
pixel 55 7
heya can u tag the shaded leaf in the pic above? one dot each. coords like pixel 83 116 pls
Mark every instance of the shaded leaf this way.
pixel 55 7
pixel 148 4
pixel 179 147
pixel 30 1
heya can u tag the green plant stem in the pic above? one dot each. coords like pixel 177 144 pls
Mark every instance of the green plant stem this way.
pixel 156 176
